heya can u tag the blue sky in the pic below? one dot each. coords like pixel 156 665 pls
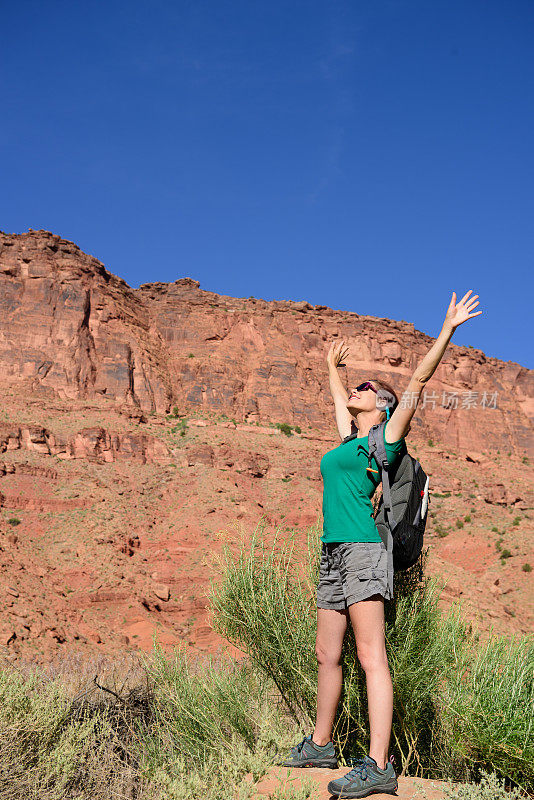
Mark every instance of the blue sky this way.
pixel 370 156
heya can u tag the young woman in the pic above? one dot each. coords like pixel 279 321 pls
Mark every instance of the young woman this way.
pixel 353 578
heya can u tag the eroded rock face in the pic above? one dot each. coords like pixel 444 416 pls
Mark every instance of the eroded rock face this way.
pixel 71 328
pixel 92 444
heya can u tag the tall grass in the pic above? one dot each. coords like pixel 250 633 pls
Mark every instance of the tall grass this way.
pixel 487 708
pixel 262 605
pixel 263 602
pixel 211 709
pixel 212 724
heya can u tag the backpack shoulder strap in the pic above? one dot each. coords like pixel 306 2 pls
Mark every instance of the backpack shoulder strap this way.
pixel 377 447
pixel 377 450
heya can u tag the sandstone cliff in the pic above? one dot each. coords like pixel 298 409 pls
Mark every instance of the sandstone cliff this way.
pixel 71 328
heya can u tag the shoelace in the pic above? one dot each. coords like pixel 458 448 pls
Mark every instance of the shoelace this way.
pixel 359 769
pixel 301 744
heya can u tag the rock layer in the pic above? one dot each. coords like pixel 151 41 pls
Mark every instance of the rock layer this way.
pixel 71 328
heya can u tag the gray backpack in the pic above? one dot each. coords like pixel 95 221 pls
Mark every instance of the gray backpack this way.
pixel 402 511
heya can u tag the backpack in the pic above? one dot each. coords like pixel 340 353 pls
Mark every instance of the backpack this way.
pixel 402 511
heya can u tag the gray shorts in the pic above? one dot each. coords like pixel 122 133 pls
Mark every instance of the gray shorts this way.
pixel 351 571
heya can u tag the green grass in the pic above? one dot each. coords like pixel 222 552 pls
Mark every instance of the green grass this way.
pixel 489 701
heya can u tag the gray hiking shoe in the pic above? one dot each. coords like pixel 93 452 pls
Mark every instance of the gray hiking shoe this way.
pixel 365 778
pixel 309 754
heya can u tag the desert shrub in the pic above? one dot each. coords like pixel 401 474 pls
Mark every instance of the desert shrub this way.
pixel 213 724
pixel 526 567
pixel 487 710
pixel 263 605
pixel 55 745
pixel 201 711
pixel 181 428
pixel 285 428
pixel 179 732
pixel 489 788
pixel 263 601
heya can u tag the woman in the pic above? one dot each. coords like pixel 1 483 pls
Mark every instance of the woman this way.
pixel 353 579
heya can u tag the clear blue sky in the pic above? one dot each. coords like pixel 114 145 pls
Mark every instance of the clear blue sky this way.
pixel 370 156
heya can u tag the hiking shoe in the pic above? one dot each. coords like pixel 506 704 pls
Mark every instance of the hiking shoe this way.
pixel 309 754
pixel 365 778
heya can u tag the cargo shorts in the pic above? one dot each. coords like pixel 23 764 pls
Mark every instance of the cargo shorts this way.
pixel 351 571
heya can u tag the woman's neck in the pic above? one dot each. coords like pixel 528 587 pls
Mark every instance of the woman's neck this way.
pixel 365 421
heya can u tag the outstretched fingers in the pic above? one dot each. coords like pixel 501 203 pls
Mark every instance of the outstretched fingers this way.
pixel 471 304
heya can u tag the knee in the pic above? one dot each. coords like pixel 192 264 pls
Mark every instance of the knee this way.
pixel 327 656
pixel 372 657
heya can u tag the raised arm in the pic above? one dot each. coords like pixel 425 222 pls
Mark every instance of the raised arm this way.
pixel 335 356
pixel 457 313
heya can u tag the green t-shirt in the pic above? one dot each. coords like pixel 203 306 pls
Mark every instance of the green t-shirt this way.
pixel 348 488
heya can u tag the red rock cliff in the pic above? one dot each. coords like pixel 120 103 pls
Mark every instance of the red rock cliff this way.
pixel 71 328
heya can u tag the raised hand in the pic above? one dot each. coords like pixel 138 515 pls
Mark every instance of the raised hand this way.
pixel 459 312
pixel 337 353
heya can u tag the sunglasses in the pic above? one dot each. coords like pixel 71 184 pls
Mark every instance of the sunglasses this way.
pixel 366 385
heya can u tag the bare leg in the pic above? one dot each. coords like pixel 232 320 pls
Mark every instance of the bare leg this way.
pixel 331 629
pixel 367 618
